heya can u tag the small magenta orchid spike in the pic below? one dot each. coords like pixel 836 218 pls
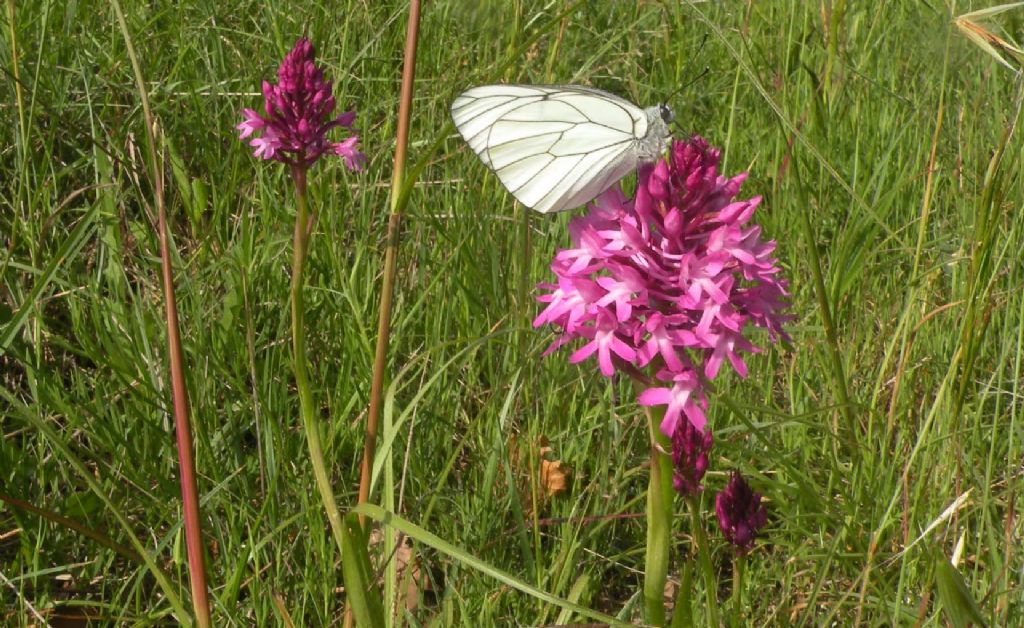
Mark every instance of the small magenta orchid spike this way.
pixel 297 116
pixel 690 447
pixel 740 513
pixel 670 280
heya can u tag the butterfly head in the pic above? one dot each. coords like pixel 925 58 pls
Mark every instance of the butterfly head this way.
pixel 659 134
pixel 666 114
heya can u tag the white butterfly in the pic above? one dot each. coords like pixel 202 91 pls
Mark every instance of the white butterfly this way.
pixel 556 147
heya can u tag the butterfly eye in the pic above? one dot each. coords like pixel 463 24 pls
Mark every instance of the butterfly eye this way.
pixel 666 114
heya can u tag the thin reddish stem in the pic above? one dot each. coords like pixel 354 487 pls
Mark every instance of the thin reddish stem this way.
pixel 182 427
pixel 391 253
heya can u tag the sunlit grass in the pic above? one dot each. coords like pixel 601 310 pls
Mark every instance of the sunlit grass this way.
pixel 892 159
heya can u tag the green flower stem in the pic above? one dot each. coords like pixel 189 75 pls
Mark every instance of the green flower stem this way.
pixel 306 408
pixel 659 523
pixel 703 552
pixel 737 591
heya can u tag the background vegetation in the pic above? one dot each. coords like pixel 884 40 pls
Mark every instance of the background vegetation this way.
pixel 875 120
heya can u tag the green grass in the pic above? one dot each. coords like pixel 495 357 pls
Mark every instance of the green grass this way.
pixel 921 273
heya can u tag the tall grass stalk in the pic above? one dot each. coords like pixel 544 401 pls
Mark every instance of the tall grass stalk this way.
pixel 983 252
pixel 398 198
pixel 16 75
pixel 182 428
pixel 380 355
pixel 834 13
pixel 912 295
pixel 835 355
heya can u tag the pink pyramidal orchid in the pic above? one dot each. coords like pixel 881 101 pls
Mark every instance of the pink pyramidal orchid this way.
pixel 298 114
pixel 669 281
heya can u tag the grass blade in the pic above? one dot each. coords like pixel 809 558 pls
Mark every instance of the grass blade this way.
pixel 88 476
pixel 360 590
pixel 427 538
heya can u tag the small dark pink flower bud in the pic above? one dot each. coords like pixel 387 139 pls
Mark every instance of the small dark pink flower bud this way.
pixel 740 513
pixel 658 183
pixel 673 222
pixel 690 447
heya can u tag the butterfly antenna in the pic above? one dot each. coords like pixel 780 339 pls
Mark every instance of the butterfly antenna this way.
pixel 675 122
pixel 702 74
pixel 706 69
pixel 700 48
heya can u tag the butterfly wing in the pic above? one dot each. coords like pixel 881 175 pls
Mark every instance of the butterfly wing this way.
pixel 553 147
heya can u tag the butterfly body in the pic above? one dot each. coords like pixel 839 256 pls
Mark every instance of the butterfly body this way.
pixel 555 147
